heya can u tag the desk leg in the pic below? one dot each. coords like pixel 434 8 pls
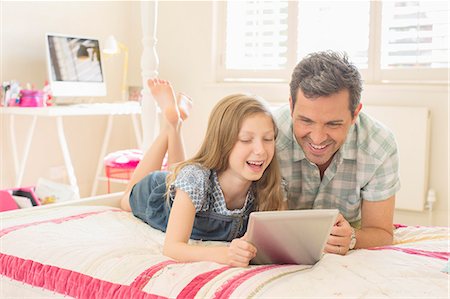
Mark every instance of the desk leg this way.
pixel 12 135
pixel 21 166
pixel 137 131
pixel 66 156
pixel 102 155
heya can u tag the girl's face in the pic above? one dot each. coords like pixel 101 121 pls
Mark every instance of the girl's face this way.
pixel 254 148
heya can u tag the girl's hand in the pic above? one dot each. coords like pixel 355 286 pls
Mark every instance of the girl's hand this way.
pixel 240 252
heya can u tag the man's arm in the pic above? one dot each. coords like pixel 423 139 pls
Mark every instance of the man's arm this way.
pixel 376 227
pixel 376 223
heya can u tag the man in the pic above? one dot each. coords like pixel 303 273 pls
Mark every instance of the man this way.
pixel 333 156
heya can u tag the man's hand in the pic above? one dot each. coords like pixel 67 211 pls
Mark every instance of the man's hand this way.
pixel 340 237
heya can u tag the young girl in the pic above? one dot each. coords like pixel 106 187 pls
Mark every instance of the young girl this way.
pixel 210 196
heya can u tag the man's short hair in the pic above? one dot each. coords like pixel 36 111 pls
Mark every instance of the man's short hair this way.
pixel 325 73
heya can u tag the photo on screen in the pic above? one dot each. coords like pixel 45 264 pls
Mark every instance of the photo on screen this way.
pixel 75 59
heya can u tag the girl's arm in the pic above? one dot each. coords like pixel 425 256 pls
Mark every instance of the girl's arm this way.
pixel 179 228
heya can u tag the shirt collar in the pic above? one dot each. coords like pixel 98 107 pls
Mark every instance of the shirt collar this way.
pixel 297 151
pixel 348 149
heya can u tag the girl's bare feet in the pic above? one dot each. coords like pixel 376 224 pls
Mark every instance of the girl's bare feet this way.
pixel 184 104
pixel 173 109
pixel 163 93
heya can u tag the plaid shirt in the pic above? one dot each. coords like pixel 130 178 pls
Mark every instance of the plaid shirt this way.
pixel 365 167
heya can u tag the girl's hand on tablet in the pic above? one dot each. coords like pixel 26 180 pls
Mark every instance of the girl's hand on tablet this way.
pixel 240 252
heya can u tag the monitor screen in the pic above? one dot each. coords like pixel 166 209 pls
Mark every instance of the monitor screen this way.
pixel 74 66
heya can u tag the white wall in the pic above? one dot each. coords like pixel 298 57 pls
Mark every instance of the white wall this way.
pixel 186 51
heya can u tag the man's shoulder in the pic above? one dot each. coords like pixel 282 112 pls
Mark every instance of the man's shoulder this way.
pixel 374 138
pixel 283 121
pixel 282 115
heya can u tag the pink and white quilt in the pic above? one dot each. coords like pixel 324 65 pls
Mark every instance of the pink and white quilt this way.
pixel 104 252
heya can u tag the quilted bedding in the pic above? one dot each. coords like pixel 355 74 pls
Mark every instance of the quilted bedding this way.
pixel 104 252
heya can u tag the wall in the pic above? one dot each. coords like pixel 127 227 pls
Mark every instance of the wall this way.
pixel 24 25
pixel 186 52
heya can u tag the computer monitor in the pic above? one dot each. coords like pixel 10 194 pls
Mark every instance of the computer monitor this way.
pixel 74 66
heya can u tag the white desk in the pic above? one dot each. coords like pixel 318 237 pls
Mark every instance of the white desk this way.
pixel 58 112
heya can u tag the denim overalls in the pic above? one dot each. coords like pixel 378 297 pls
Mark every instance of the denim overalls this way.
pixel 148 202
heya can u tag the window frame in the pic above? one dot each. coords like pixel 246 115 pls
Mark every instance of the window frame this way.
pixel 374 74
pixel 224 75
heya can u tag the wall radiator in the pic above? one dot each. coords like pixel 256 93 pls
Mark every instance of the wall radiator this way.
pixel 411 127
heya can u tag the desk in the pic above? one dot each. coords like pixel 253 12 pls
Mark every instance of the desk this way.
pixel 58 112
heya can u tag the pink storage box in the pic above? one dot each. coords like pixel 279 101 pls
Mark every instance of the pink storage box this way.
pixel 29 98
pixel 125 159
pixel 7 202
pixel 121 164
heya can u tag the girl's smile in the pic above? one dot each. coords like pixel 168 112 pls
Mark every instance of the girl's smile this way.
pixel 254 148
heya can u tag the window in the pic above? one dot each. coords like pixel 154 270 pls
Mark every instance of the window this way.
pixel 323 25
pixel 256 35
pixel 401 41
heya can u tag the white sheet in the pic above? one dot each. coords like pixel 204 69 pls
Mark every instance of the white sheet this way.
pixel 103 252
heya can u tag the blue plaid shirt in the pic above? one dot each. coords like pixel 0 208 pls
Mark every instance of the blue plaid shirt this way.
pixel 365 167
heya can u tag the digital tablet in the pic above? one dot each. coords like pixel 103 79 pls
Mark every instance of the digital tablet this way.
pixel 290 237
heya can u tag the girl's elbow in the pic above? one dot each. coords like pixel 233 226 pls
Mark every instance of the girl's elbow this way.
pixel 125 202
pixel 166 250
pixel 169 251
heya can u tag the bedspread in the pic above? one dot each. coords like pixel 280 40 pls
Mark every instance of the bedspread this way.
pixel 104 252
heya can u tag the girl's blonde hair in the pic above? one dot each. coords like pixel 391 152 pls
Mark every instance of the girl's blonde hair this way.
pixel 222 132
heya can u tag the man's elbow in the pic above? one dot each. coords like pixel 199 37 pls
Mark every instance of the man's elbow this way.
pixel 388 238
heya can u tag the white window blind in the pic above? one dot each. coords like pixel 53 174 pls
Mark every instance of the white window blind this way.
pixel 415 34
pixel 256 35
pixel 387 40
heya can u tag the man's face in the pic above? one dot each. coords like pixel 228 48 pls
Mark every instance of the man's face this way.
pixel 321 125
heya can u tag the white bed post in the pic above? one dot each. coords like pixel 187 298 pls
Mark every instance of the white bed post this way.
pixel 149 69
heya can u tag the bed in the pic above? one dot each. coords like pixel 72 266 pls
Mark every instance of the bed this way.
pixel 100 251
pixel 92 249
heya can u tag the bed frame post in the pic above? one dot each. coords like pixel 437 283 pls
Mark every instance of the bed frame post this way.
pixel 149 69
